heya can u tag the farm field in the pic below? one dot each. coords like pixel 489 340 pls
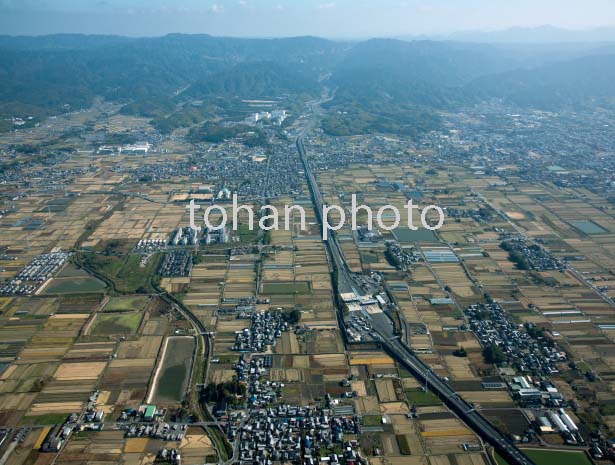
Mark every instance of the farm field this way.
pixel 555 457
pixel 421 398
pixel 110 302
pixel 421 235
pixel 174 371
pixel 115 323
pixel 73 285
pixel 116 304
pixel 298 287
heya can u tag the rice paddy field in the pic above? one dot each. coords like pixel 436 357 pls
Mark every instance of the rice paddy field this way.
pixel 73 285
pixel 555 457
pixel 275 288
pixel 106 324
pixel 122 304
pixel 108 329
pixel 171 379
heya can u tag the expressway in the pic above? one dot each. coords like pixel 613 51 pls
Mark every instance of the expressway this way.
pixel 395 347
pixel 345 282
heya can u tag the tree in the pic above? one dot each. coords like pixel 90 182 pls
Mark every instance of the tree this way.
pixel 519 259
pixel 232 392
pixel 494 354
pixel 294 316
pixel 460 352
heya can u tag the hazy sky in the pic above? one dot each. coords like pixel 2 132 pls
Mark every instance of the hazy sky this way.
pixel 267 18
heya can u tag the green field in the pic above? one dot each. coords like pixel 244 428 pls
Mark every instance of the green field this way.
pixel 369 258
pixel 175 370
pixel 115 323
pixel 227 358
pixel 420 235
pixel 371 420
pixel 588 227
pixel 71 271
pixel 123 304
pixel 75 285
pixel 46 419
pixel 557 457
pixel 499 460
pixel 297 287
pixel 124 272
pixel 420 398
pixel 132 278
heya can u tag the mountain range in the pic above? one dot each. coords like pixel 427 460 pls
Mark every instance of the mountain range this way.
pixel 46 75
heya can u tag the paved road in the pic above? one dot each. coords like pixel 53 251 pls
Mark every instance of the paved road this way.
pixel 345 282
pixel 396 348
pixel 8 452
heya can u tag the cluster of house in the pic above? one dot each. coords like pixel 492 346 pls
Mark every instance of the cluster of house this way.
pixel 266 431
pixel 146 422
pixel 527 353
pixel 295 434
pixel 38 271
pixel 537 257
pixel 176 263
pixel 401 257
pixel 261 391
pixel 264 329
pixel 160 430
pixel 151 245
pixel 337 152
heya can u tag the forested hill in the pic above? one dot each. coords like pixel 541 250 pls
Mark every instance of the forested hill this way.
pixel 392 80
pixel 49 74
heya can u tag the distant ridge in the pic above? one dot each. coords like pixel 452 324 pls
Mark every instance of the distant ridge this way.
pixel 387 84
pixel 546 34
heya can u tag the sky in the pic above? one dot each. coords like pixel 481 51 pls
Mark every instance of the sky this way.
pixel 280 18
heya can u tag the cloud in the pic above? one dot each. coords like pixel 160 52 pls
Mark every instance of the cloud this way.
pixel 216 8
pixel 326 6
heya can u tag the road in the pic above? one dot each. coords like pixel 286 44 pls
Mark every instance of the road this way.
pixel 345 282
pixel 396 348
pixel 8 452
